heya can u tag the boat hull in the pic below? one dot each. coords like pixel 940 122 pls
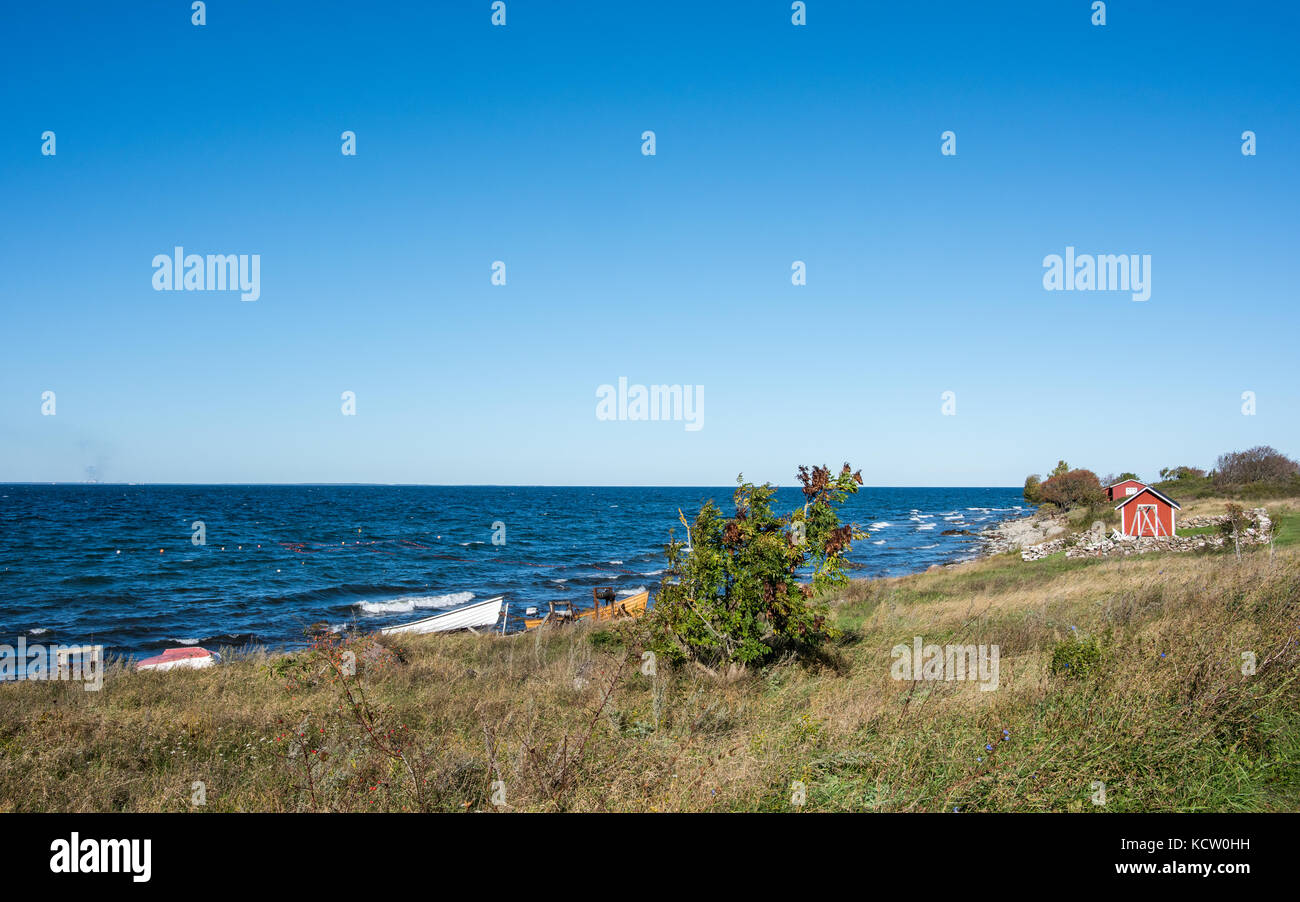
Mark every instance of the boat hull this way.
pixel 472 616
pixel 192 658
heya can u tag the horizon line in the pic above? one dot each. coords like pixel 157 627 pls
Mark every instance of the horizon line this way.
pixel 457 485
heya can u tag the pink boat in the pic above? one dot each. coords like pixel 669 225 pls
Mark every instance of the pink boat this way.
pixel 193 658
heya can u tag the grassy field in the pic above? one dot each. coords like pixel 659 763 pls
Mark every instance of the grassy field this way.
pixel 1155 706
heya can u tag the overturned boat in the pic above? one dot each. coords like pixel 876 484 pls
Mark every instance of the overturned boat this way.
pixel 188 658
pixel 478 615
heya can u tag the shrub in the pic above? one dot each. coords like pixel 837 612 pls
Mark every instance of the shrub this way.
pixel 1074 488
pixel 1170 473
pixel 1076 658
pixel 733 597
pixel 1259 464
pixel 1033 489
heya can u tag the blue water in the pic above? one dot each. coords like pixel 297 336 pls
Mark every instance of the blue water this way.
pixel 116 565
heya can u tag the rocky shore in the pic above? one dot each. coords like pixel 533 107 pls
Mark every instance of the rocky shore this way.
pixel 1020 533
pixel 1038 537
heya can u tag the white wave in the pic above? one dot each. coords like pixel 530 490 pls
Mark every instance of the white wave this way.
pixel 652 573
pixel 561 580
pixel 408 603
pixel 881 525
pixel 878 542
pixel 185 641
pixel 616 562
pixel 37 631
pixel 925 547
pixel 637 591
pixel 925 526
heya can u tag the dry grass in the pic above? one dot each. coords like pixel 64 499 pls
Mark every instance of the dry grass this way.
pixel 567 720
pixel 1197 507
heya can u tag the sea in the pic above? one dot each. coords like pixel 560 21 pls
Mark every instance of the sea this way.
pixel 142 568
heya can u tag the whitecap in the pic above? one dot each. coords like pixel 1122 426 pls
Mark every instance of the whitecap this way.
pixel 408 603
pixel 881 525
pixel 637 591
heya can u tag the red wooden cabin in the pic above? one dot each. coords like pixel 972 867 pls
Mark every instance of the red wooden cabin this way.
pixel 1121 490
pixel 1147 513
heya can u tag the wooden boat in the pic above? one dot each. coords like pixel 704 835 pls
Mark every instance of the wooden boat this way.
pixel 471 616
pixel 607 607
pixel 191 658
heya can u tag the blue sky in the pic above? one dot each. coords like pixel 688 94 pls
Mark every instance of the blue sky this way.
pixel 775 143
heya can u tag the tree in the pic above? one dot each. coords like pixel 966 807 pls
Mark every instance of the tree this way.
pixel 733 597
pixel 1259 464
pixel 1033 489
pixel 1124 476
pixel 1074 488
pixel 1234 525
pixel 1061 468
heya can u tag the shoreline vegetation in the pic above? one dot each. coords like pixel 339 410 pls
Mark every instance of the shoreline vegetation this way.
pixel 1159 682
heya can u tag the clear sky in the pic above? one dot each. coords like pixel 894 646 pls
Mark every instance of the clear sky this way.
pixel 522 144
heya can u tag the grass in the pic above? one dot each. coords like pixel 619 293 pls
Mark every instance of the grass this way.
pixel 575 719
pixel 1250 494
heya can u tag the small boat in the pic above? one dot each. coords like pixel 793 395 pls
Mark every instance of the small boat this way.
pixel 471 616
pixel 612 608
pixel 190 658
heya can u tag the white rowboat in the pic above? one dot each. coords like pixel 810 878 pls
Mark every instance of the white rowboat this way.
pixel 479 614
